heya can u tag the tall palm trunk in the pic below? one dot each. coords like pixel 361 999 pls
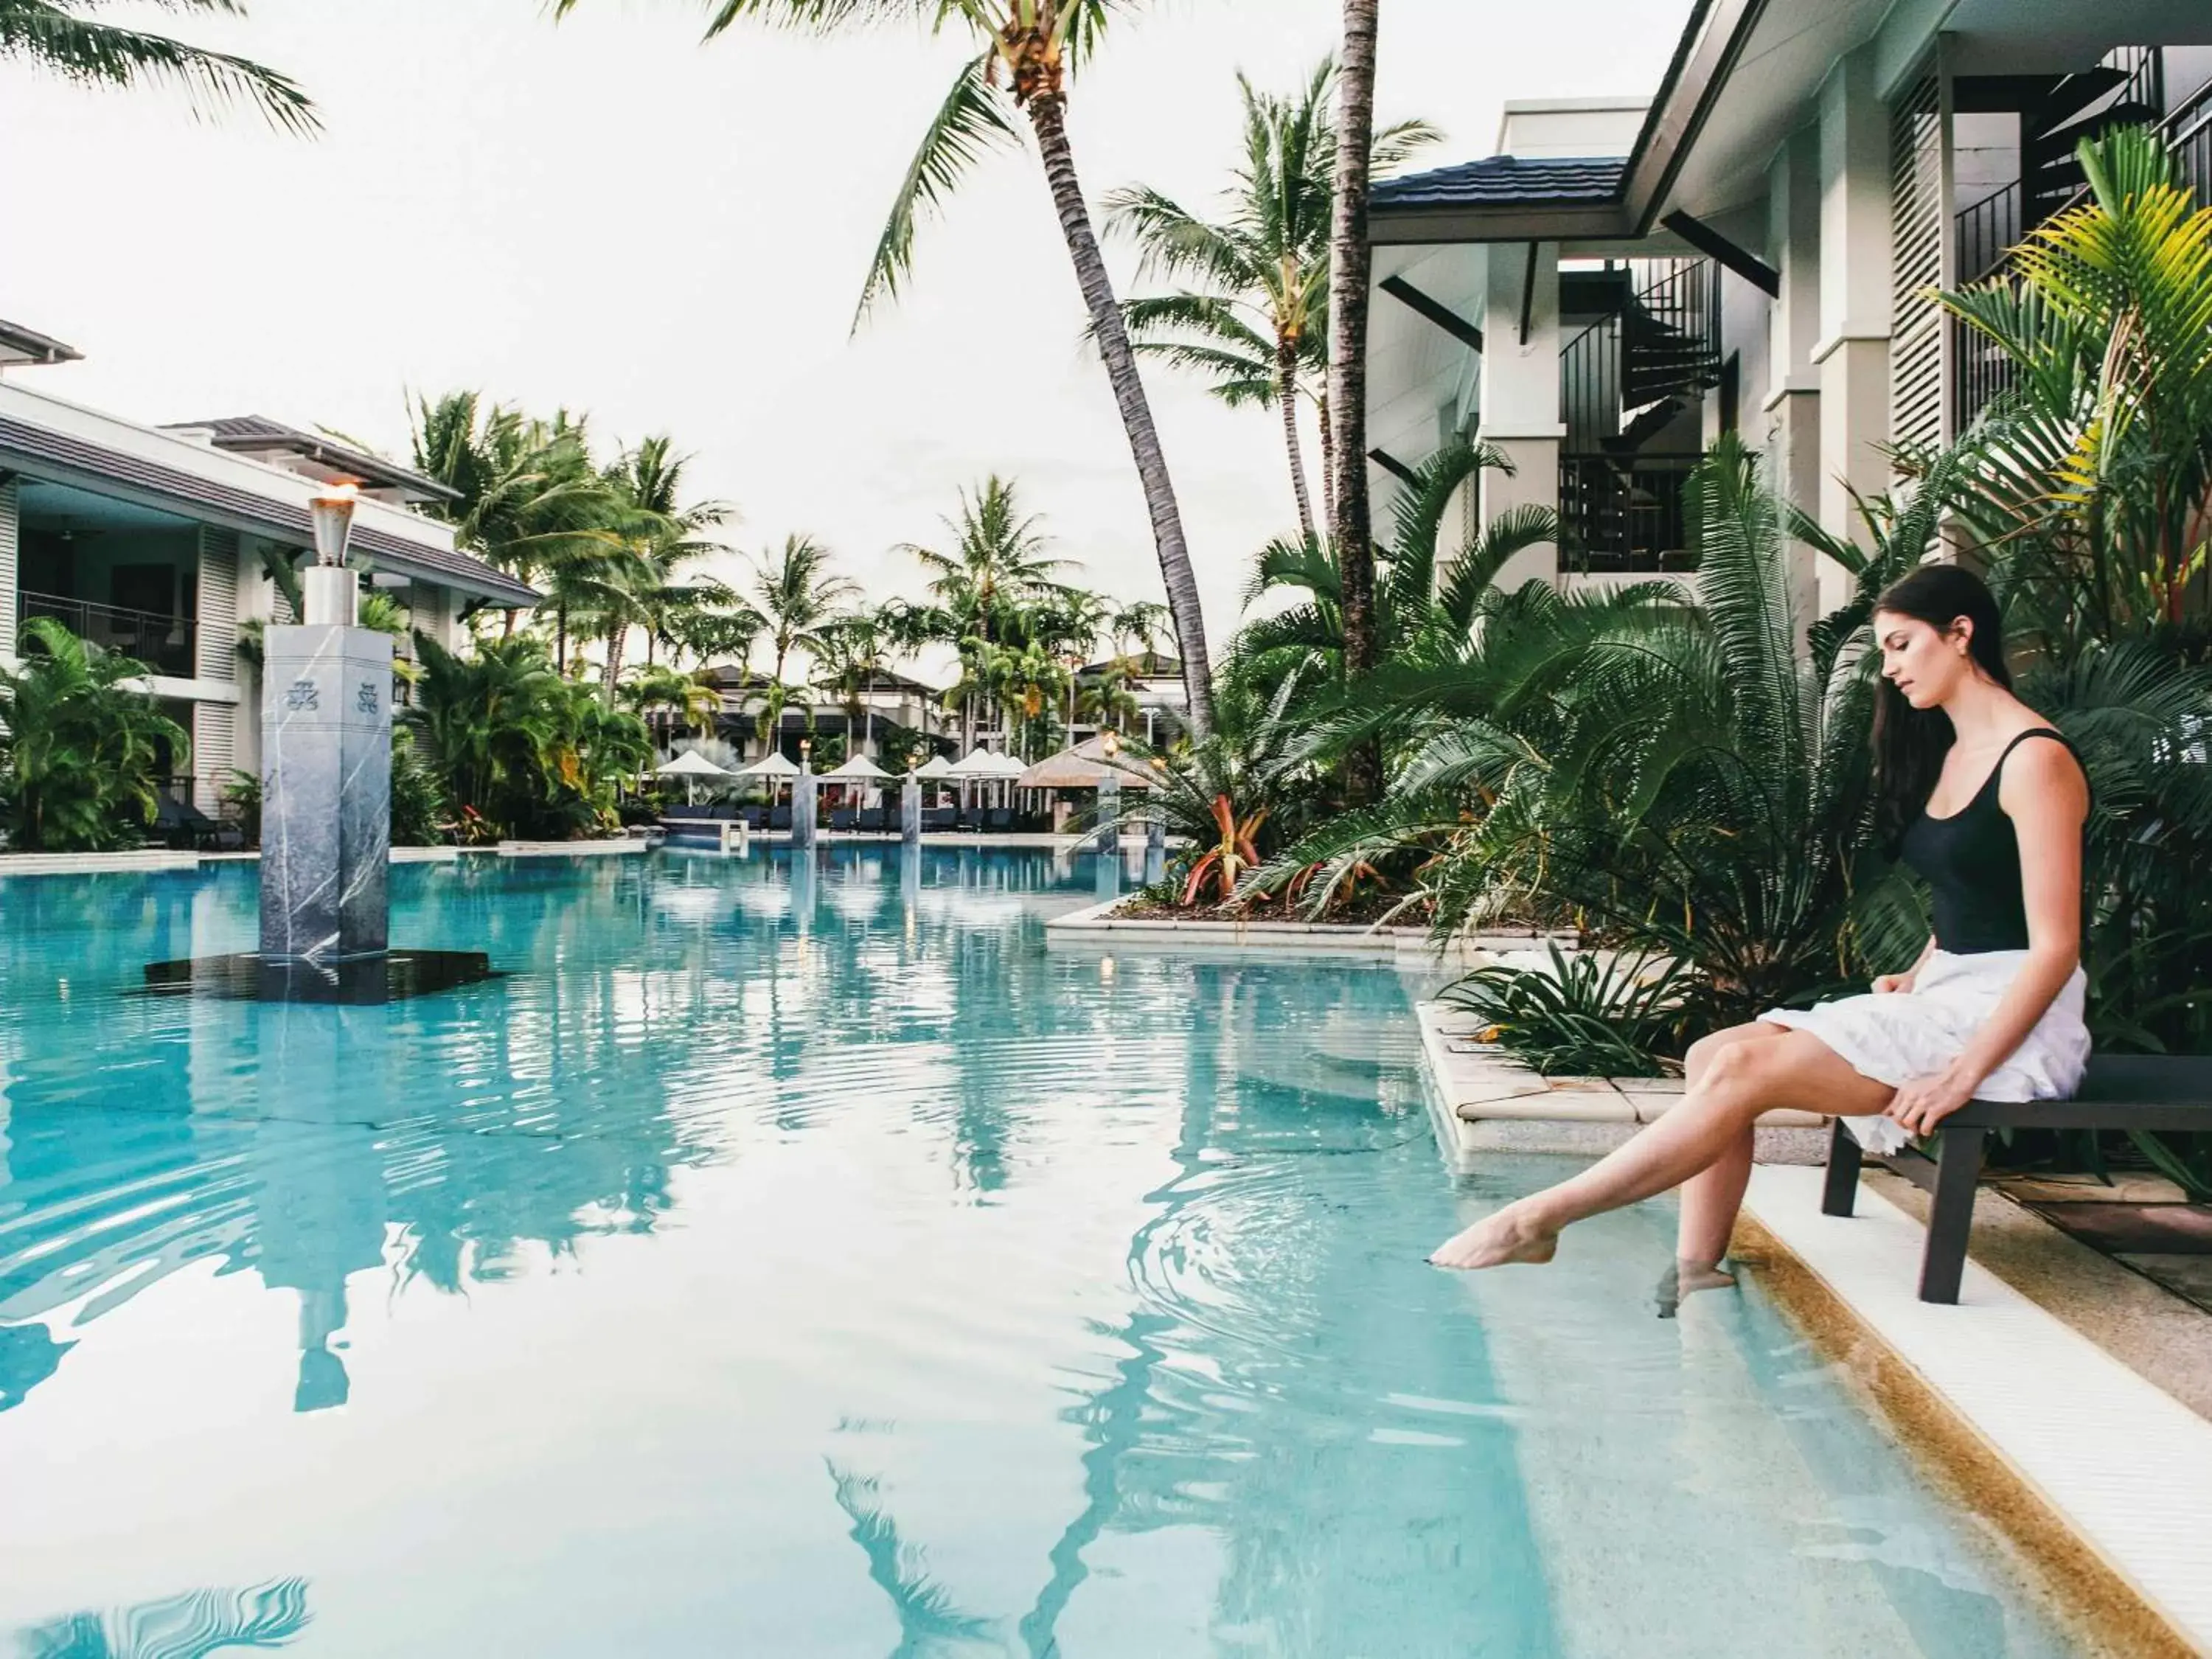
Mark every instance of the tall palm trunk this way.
pixel 1286 395
pixel 1350 267
pixel 1048 116
pixel 1328 462
pixel 617 636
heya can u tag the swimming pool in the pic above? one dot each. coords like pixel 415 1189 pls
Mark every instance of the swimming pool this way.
pixel 799 1259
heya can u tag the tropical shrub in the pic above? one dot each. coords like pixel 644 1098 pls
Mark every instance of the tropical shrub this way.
pixel 419 812
pixel 1669 772
pixel 520 749
pixel 241 798
pixel 1589 1014
pixel 81 753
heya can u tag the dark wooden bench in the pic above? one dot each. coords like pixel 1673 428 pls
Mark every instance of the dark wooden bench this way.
pixel 2121 1091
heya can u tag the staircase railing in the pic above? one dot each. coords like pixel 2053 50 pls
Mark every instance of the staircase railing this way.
pixel 1992 227
pixel 1624 515
pixel 1987 232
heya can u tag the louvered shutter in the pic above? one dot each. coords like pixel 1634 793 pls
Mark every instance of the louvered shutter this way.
pixel 216 652
pixel 1920 219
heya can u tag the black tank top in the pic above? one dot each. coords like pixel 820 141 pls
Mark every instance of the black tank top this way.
pixel 1971 862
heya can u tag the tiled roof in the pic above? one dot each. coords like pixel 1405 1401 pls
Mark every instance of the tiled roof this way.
pixel 26 345
pixel 255 432
pixel 1507 181
pixel 264 514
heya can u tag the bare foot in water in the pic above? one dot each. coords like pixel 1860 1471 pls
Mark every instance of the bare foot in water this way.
pixel 1508 1236
pixel 1687 1277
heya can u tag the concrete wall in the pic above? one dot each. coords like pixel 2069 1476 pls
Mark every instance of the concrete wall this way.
pixel 1570 126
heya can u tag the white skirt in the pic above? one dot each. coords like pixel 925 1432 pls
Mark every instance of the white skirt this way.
pixel 1913 1034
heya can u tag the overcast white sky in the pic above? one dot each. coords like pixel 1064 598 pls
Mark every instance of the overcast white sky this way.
pixel 609 216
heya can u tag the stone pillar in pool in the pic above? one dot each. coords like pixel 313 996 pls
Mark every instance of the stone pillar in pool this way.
pixel 1109 814
pixel 911 810
pixel 802 802
pixel 325 777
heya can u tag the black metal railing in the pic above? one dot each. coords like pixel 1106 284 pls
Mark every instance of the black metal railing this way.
pixel 1671 331
pixel 167 645
pixel 1987 232
pixel 1589 385
pixel 1624 515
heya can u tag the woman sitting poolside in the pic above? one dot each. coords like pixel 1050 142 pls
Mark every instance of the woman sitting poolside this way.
pixel 1986 802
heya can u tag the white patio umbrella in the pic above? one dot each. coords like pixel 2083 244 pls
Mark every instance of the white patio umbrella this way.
pixel 856 769
pixel 775 768
pixel 935 767
pixel 691 766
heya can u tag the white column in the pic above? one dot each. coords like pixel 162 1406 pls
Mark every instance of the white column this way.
pixel 1791 402
pixel 1520 397
pixel 1852 352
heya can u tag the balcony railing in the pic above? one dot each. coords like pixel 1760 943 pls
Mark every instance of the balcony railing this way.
pixel 167 645
pixel 1624 515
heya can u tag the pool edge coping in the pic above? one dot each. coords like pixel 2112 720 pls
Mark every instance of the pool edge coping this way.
pixel 2097 1581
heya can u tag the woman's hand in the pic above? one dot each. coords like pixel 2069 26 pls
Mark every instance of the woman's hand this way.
pixel 1892 984
pixel 1925 1101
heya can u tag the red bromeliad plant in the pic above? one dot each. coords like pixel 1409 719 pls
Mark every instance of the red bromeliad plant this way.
pixel 1227 862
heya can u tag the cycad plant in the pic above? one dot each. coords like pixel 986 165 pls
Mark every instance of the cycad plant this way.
pixel 1421 609
pixel 1672 773
pixel 1232 795
pixel 80 746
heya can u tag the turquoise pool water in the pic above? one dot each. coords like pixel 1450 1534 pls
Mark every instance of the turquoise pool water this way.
pixel 807 1261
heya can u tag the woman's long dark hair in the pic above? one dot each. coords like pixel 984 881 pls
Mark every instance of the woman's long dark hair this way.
pixel 1910 744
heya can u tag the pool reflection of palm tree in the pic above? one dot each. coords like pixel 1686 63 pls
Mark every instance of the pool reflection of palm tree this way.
pixel 188 1627
pixel 929 1620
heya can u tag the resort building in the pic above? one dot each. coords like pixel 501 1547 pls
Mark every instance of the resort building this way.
pixel 167 542
pixel 1752 249
pixel 888 702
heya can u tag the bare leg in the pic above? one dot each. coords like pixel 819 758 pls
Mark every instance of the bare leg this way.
pixel 1743 1080
pixel 1711 1197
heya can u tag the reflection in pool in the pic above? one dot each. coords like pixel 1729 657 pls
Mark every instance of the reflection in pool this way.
pixel 800 1258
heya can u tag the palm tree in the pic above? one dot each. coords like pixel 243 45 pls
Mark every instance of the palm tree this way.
pixel 1350 264
pixel 1025 52
pixel 717 623
pixel 796 597
pixel 531 502
pixel 662 535
pixel 849 653
pixel 995 569
pixel 1257 323
pixel 54 35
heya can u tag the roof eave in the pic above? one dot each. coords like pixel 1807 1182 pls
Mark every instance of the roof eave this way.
pixel 1515 222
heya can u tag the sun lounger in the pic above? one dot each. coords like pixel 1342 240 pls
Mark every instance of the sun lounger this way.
pixel 2121 1091
pixel 779 817
pixel 840 822
pixel 871 820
